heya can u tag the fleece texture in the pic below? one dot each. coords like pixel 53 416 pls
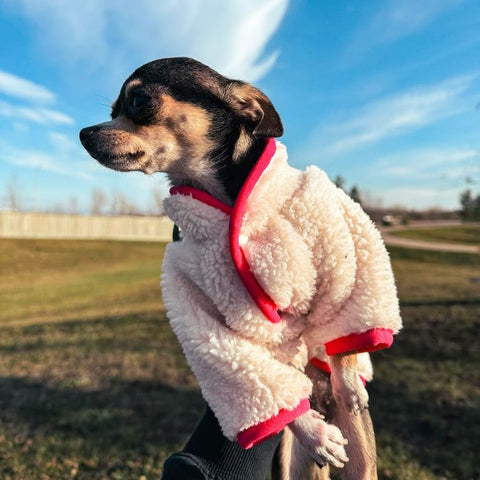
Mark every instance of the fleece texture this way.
pixel 294 271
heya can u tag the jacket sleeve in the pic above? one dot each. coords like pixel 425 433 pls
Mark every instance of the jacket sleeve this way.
pixel 370 316
pixel 252 394
pixel 355 306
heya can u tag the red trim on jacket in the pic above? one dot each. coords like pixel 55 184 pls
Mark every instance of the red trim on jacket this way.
pixel 264 302
pixel 321 365
pixel 369 341
pixel 258 433
pixel 201 196
pixel 259 296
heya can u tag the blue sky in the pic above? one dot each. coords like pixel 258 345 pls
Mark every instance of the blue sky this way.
pixel 385 93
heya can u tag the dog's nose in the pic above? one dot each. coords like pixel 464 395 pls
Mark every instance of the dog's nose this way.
pixel 87 131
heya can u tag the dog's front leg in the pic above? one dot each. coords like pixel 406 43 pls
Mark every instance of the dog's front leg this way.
pixel 323 441
pixel 346 382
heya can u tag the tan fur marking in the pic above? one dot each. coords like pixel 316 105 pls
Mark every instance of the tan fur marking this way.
pixel 190 122
pixel 249 103
pixel 243 93
pixel 132 84
pixel 346 360
pixel 361 449
pixel 244 142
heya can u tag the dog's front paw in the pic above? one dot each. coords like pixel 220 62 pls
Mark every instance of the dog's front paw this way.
pixel 323 441
pixel 331 446
pixel 351 392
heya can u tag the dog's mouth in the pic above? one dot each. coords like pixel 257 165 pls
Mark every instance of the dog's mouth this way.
pixel 119 161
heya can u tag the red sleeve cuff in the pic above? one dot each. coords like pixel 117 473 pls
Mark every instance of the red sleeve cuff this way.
pixel 369 341
pixel 258 433
pixel 321 365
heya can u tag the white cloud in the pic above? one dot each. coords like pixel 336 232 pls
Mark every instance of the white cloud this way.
pixel 115 36
pixel 65 158
pixel 49 116
pixel 425 177
pixel 35 114
pixel 420 198
pixel 446 162
pixel 18 87
pixel 62 142
pixel 397 20
pixel 390 116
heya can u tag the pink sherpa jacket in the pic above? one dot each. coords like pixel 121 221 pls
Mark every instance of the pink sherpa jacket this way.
pixel 295 271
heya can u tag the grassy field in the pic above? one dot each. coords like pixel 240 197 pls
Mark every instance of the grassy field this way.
pixel 468 234
pixel 93 384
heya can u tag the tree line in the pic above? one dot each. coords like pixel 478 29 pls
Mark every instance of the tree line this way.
pixel 99 202
pixel 469 206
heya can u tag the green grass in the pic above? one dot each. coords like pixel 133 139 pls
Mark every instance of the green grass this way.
pixel 107 398
pixel 93 384
pixel 56 279
pixel 426 394
pixel 425 398
pixel 469 235
pixel 430 276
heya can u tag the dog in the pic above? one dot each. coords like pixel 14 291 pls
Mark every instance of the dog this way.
pixel 180 117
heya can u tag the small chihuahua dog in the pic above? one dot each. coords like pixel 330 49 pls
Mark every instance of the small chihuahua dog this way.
pixel 203 130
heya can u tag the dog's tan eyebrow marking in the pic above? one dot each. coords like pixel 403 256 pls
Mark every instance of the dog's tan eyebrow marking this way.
pixel 132 84
pixel 116 105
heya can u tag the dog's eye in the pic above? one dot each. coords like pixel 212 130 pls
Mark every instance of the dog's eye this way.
pixel 138 101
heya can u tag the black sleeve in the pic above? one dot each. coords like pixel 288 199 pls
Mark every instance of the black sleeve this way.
pixel 208 455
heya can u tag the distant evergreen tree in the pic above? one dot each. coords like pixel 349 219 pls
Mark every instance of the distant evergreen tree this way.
pixel 339 182
pixel 470 206
pixel 354 191
pixel 476 208
pixel 355 194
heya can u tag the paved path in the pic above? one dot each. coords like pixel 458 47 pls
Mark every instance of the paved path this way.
pixel 395 240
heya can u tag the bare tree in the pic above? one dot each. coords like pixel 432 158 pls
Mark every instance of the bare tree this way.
pixel 14 198
pixel 371 202
pixel 73 206
pixel 56 208
pixel 121 205
pixel 157 194
pixel 98 202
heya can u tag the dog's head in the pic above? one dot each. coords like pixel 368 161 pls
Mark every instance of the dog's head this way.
pixel 176 115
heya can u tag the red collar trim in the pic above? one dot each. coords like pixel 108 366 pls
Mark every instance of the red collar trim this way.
pixel 259 296
pixel 263 301
pixel 201 196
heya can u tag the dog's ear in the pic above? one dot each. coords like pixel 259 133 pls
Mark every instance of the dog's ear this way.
pixel 255 110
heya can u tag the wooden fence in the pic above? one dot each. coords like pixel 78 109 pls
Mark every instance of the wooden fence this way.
pixel 49 225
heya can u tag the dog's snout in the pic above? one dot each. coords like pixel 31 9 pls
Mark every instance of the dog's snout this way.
pixel 87 131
